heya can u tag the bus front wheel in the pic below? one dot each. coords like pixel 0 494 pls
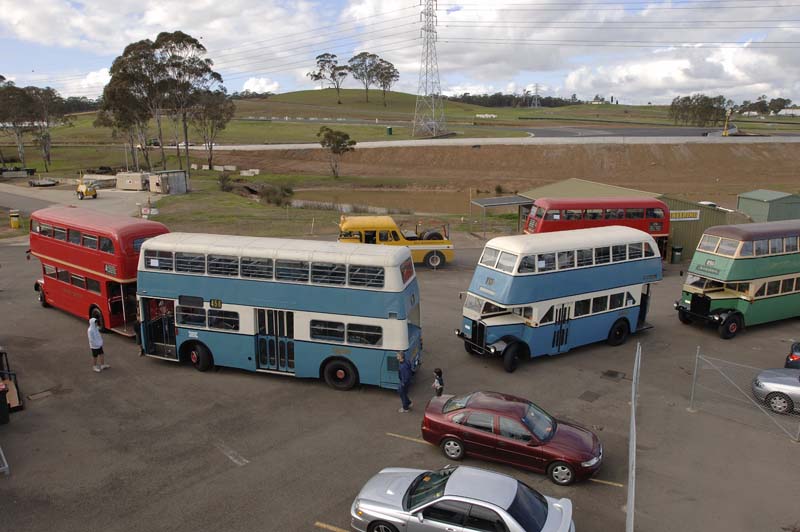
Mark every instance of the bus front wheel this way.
pixel 98 318
pixel 619 332
pixel 730 327
pixel 340 375
pixel 684 317
pixel 511 357
pixel 201 358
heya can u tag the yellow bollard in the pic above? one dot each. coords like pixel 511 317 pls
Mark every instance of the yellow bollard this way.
pixel 13 216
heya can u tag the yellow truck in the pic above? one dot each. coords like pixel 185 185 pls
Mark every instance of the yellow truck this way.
pixel 431 247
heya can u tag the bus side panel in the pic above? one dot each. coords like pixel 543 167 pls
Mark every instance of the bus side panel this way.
pixel 73 300
pixel 772 309
pixel 372 364
pixel 228 349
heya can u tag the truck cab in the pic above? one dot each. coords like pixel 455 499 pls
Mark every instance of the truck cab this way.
pixel 430 247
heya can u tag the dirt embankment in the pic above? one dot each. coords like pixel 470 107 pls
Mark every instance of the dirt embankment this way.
pixel 714 172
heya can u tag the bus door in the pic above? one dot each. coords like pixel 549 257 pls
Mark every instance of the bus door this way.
pixel 122 307
pixel 158 324
pixel 275 340
pixel 561 329
pixel 643 306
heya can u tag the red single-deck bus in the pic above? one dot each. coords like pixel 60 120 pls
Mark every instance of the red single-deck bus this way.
pixel 89 262
pixel 561 214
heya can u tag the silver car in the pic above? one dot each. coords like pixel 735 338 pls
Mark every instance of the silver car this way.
pixel 779 389
pixel 455 499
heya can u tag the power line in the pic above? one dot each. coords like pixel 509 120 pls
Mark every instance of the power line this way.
pixel 646 7
pixel 611 44
pixel 546 26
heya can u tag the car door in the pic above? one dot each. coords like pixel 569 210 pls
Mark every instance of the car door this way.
pixel 478 434
pixel 484 519
pixel 443 515
pixel 517 446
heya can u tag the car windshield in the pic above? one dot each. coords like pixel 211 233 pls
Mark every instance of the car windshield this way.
pixel 427 487
pixel 540 422
pixel 456 403
pixel 529 508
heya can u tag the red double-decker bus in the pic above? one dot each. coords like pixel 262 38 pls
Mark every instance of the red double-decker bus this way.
pixel 561 214
pixel 89 262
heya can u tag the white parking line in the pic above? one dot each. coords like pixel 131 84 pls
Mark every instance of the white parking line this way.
pixel 408 438
pixel 607 482
pixel 232 455
pixel 326 526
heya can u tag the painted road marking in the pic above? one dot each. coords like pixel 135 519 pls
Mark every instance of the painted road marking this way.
pixel 607 482
pixel 326 526
pixel 232 455
pixel 415 440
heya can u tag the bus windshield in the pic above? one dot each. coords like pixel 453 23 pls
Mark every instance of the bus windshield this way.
pixel 702 283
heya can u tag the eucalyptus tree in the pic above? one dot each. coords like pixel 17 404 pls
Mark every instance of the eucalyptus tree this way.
pixel 364 68
pixel 47 111
pixel 386 75
pixel 127 115
pixel 329 70
pixel 16 115
pixel 210 114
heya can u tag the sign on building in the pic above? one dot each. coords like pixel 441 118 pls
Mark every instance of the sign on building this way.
pixel 684 216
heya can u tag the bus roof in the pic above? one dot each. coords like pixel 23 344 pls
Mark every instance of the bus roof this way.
pixel 566 240
pixel 98 222
pixel 279 248
pixel 757 231
pixel 588 203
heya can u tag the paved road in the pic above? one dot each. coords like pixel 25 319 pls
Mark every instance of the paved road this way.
pixel 110 201
pixel 520 141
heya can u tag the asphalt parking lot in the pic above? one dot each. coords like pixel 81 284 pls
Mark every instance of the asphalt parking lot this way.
pixel 148 445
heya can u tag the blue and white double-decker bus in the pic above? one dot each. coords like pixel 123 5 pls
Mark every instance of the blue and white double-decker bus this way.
pixel 544 294
pixel 304 308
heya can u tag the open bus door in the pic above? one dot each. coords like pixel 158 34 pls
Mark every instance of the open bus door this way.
pixel 122 308
pixel 158 328
pixel 643 307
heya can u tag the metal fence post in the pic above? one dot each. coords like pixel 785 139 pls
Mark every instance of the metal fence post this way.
pixel 694 380
pixel 629 507
pixel 797 439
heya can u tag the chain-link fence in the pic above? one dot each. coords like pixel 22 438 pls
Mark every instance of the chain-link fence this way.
pixel 767 399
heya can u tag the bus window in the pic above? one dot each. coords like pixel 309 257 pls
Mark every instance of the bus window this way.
pixel 491 308
pixel 506 262
pixel 190 263
pixel 74 237
pixel 193 316
pixel 761 290
pixel 602 255
pixel 60 233
pixel 635 251
pixel 223 265
pixel 599 304
pixel 106 245
pixel 776 245
pixel 790 243
pixel 291 270
pixel 50 271
pixel 566 260
pixel 727 247
pixel 328 273
pixel 747 249
pixel 619 253
pixel 648 250
pixel 256 268
pixel 89 241
pixel 364 334
pixel 473 303
pixel 552 215
pixel 655 227
pixel 762 247
pixel 655 213
pixel 787 285
pixel 615 214
pixel 223 319
pixel 78 281
pixel 527 264
pixel 63 275
pixel 773 287
pixel 373 276
pixel 331 331
pixel 594 214
pixel 585 257
pixel 34 226
pixel 708 243
pixel 582 307
pixel 546 262
pixel 573 214
pixel 548 316
pixel 46 230
pixel 634 214
pixel 525 312
pixel 616 301
pixel 539 212
pixel 92 285
pixel 629 299
pixel 489 257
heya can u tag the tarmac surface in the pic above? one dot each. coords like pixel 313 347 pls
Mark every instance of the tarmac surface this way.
pixel 110 201
pixel 153 446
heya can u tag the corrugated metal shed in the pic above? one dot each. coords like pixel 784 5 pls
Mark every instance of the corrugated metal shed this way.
pixel 769 205
pixel 582 188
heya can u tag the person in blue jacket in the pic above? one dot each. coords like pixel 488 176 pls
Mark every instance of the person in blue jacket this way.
pixel 406 373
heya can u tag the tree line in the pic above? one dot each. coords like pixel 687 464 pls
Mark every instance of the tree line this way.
pixel 702 110
pixel 367 68
pixel 526 99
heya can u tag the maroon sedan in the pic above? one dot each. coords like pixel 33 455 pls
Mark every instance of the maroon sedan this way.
pixel 508 429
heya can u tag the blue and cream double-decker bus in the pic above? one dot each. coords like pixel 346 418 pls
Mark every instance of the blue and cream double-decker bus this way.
pixel 295 307
pixel 544 294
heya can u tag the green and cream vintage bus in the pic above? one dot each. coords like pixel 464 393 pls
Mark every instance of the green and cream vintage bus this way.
pixel 743 275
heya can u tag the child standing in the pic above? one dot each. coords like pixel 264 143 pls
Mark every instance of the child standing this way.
pixel 438 382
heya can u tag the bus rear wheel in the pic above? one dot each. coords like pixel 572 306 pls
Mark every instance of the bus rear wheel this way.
pixel 340 375
pixel 730 327
pixel 619 332
pixel 201 358
pixel 43 298
pixel 98 317
pixel 434 260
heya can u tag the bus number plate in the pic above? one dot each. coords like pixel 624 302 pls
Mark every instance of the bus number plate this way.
pixel 215 303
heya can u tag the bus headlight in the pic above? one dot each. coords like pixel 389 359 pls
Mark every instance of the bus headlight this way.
pixel 492 349
pixel 458 332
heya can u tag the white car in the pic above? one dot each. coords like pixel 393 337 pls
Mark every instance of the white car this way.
pixel 462 499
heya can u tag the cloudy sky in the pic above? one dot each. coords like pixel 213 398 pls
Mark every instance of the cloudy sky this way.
pixel 636 51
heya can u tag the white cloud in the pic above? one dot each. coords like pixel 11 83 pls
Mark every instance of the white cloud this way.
pixel 261 85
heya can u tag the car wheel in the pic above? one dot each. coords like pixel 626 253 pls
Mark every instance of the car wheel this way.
pixel 201 358
pixel 340 375
pixel 619 332
pixel 43 298
pixel 453 449
pixel 730 327
pixel 684 317
pixel 381 526
pixel 434 260
pixel 98 316
pixel 779 403
pixel 511 357
pixel 561 473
